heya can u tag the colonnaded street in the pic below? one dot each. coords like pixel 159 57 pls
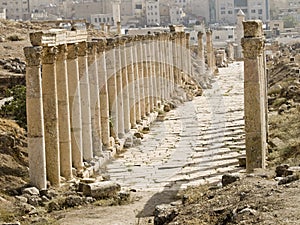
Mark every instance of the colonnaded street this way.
pixel 197 143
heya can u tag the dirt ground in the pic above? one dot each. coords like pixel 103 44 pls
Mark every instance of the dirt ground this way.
pixel 255 199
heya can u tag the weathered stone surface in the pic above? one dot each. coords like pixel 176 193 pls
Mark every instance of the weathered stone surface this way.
pixel 31 191
pixel 229 178
pixel 283 171
pixel 288 179
pixel 100 190
pixel 164 214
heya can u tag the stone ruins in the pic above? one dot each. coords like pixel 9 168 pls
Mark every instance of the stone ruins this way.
pixel 87 97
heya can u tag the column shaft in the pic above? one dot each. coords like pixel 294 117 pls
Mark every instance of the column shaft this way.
pixel 104 99
pixel 75 106
pixel 35 118
pixel 255 95
pixel 51 115
pixel 64 113
pixel 94 99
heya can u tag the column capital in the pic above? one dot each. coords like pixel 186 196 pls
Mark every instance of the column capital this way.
pixel 110 44
pixel 208 32
pixel 33 55
pixel 62 52
pixel 200 34
pixel 252 47
pixel 49 55
pixel 82 49
pixel 72 51
pixel 92 47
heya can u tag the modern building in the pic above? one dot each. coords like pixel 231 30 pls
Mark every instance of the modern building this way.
pixel 176 15
pixel 16 9
pixel 227 10
pixel 98 19
pixel 152 12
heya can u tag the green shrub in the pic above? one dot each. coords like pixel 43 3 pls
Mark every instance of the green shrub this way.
pixel 16 108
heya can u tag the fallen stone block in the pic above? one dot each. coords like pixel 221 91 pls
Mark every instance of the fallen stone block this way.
pixel 100 190
pixel 283 171
pixel 288 179
pixel 164 214
pixel 31 191
pixel 229 178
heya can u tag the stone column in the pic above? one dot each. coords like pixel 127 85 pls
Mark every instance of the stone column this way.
pixel 150 73
pixel 141 71
pixel 119 27
pixel 154 74
pixel 75 106
pixel 255 95
pixel 175 58
pixel 119 80
pixel 103 88
pixel 163 68
pixel 125 65
pixel 167 66
pixel 209 50
pixel 87 146
pixel 102 27
pixel 112 86
pixel 171 63
pixel 200 53
pixel 35 118
pixel 129 54
pixel 157 67
pixel 137 78
pixel 180 58
pixel 188 55
pixel 146 70
pixel 51 115
pixel 94 98
pixel 64 113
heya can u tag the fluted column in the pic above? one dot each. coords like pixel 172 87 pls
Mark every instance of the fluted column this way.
pixel 94 98
pixel 64 113
pixel 75 106
pixel 35 118
pixel 104 94
pixel 51 115
pixel 255 95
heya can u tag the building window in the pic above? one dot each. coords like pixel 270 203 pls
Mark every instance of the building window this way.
pixel 96 20
pixel 138 6
pixel 223 12
pixel 253 11
pixel 229 12
pixel 230 36
pixel 260 11
pixel 217 37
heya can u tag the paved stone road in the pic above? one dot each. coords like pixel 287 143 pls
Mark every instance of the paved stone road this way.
pixel 197 143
